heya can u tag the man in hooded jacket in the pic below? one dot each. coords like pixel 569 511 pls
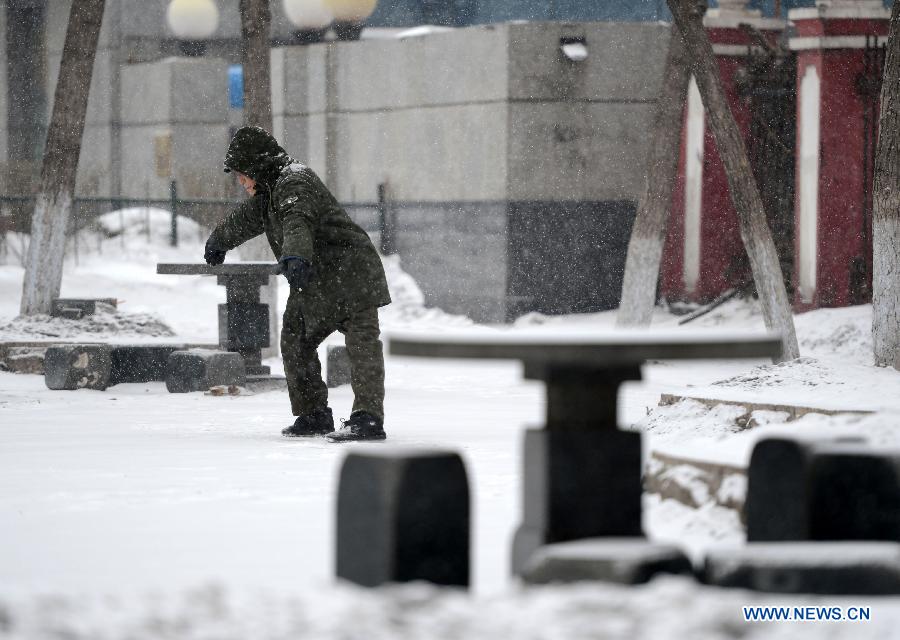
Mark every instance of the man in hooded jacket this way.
pixel 336 278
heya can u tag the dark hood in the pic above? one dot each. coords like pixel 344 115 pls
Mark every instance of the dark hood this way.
pixel 255 153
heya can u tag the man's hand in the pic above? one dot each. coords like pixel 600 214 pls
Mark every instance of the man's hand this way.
pixel 297 270
pixel 213 254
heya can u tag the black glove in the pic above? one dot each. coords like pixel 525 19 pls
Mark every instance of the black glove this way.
pixel 213 254
pixel 297 270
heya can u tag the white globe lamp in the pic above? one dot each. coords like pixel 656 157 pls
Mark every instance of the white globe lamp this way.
pixel 349 16
pixel 310 17
pixel 192 22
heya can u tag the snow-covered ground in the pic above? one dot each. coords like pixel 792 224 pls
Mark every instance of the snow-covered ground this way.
pixel 134 513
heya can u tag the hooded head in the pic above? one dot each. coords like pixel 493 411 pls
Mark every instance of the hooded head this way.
pixel 255 153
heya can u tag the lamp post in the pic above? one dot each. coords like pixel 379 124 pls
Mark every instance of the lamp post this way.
pixel 310 17
pixel 193 22
pixel 349 16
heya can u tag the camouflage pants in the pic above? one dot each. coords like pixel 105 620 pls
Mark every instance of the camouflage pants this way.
pixel 300 337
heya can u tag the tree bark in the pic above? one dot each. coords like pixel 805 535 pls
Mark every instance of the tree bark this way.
pixel 53 206
pixel 255 28
pixel 886 214
pixel 649 232
pixel 255 56
pixel 755 233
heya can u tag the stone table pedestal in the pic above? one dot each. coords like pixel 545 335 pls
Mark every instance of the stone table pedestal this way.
pixel 582 475
pixel 243 319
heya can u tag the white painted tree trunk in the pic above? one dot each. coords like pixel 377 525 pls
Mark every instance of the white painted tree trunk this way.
pixel 53 206
pixel 649 232
pixel 886 215
pixel 755 232
pixel 44 259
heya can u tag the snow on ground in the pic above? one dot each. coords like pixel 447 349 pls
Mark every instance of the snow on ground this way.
pixel 134 513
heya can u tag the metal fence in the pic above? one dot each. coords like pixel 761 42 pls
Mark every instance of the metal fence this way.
pixel 16 211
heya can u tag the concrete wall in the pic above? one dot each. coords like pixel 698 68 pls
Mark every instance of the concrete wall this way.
pixel 185 98
pixel 510 165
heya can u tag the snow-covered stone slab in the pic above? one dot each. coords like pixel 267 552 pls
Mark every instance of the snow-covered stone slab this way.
pixel 834 568
pixel 337 366
pixel 583 347
pixel 578 484
pixel 140 362
pixel 77 308
pixel 403 516
pixel 200 369
pixel 230 269
pixel 839 489
pixel 791 411
pixel 620 560
pixel 79 366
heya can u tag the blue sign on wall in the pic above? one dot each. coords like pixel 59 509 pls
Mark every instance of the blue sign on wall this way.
pixel 236 86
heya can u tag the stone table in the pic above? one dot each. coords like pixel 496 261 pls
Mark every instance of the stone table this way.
pixel 582 475
pixel 243 320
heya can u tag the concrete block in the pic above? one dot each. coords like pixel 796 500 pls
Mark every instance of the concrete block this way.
pixel 200 369
pixel 337 368
pixel 782 485
pixel 137 144
pixel 94 176
pixel 463 66
pixel 199 90
pixel 619 560
pixel 578 484
pixel 403 516
pixel 184 90
pixel 142 80
pixel 197 154
pixel 140 363
pixel 76 308
pixel 457 253
pixel 624 64
pixel 304 138
pixel 443 154
pixel 566 257
pixel 23 359
pixel 81 366
pixel 565 151
pixel 832 568
pixel 298 80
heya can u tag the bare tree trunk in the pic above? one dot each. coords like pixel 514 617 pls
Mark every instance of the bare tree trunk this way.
pixel 649 232
pixel 255 52
pixel 255 28
pixel 886 215
pixel 44 261
pixel 755 233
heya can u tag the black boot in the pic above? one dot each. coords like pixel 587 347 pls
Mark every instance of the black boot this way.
pixel 315 423
pixel 361 425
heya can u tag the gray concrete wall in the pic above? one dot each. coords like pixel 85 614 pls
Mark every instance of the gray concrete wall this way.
pixel 186 98
pixel 577 129
pixel 473 129
pixel 457 254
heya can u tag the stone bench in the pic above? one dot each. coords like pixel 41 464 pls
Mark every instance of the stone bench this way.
pixel 77 308
pixel 827 568
pixel 839 489
pixel 403 516
pixel 98 366
pixel 618 560
pixel 202 369
pixel 337 366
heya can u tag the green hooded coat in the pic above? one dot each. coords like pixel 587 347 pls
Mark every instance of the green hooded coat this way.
pixel 301 217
